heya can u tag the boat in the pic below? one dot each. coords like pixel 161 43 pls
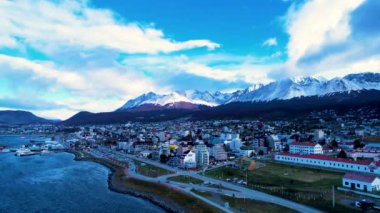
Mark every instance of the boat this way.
pixel 5 151
pixel 24 152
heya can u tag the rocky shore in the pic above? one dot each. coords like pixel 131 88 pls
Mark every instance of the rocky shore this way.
pixel 115 183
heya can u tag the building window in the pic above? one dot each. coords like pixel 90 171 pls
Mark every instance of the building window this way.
pixel 358 185
pixel 346 183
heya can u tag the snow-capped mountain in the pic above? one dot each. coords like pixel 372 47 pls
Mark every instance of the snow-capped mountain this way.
pixel 309 86
pixel 185 99
pixel 283 89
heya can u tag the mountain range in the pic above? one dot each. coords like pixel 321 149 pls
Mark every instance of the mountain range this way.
pixel 287 97
pixel 279 90
pixel 17 117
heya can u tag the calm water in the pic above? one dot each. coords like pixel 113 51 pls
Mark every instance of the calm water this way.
pixel 57 183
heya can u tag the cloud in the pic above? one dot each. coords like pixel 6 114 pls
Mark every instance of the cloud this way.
pixel 28 104
pixel 216 67
pixel 344 41
pixel 55 26
pixel 100 89
pixel 270 42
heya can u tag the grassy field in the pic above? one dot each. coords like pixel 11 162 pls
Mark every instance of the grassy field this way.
pixel 310 186
pixel 167 195
pixel 179 200
pixel 185 179
pixel 150 170
pixel 244 205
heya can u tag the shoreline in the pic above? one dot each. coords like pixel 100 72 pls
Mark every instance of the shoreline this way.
pixel 115 185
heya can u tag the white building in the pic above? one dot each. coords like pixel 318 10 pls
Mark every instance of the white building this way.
pixel 274 142
pixel 305 148
pixel 189 161
pixel 122 145
pixel 364 182
pixel 363 153
pixel 319 135
pixel 235 143
pixel 218 152
pixel 330 162
pixel 202 155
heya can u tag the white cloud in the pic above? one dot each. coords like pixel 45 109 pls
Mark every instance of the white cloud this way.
pixel 51 27
pixel 318 23
pixel 270 42
pixel 246 69
pixel 97 90
pixel 322 42
pixel 66 79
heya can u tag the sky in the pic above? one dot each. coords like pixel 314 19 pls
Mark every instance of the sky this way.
pixel 60 57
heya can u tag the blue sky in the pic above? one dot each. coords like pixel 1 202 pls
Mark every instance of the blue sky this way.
pixel 64 56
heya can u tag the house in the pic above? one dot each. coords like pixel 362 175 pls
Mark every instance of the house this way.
pixel 305 148
pixel 330 162
pixel 364 182
pixel 274 142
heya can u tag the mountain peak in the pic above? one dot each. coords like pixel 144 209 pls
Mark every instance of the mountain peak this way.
pixel 284 89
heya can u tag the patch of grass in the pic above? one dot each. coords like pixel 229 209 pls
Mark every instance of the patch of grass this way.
pixel 169 195
pixel 185 179
pixel 304 185
pixel 249 205
pixel 149 170
pixel 243 205
pixel 202 193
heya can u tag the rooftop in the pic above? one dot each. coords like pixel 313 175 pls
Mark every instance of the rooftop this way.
pixel 360 177
pixel 327 158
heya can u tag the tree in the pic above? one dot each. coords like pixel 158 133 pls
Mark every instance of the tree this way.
pixel 358 144
pixel 261 152
pixel 322 142
pixel 163 158
pixel 286 148
pixel 342 154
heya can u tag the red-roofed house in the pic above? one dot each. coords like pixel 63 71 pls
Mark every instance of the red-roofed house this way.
pixel 330 162
pixel 305 148
pixel 363 182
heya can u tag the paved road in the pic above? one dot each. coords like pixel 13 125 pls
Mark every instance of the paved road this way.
pixel 238 191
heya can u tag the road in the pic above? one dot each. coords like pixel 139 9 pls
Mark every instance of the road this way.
pixel 237 191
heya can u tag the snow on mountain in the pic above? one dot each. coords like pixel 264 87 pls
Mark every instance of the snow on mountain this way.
pixel 194 97
pixel 283 89
pixel 309 86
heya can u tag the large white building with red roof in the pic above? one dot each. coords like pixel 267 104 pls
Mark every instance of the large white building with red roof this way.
pixel 330 162
pixel 359 181
pixel 305 148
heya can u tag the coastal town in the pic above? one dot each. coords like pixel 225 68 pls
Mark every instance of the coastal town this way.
pixel 324 162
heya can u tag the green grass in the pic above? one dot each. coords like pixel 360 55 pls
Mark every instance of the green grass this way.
pixel 169 195
pixel 243 205
pixel 305 185
pixel 185 179
pixel 202 193
pixel 164 193
pixel 150 170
